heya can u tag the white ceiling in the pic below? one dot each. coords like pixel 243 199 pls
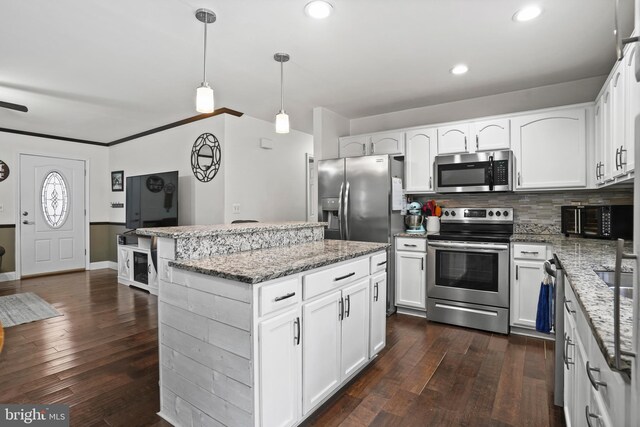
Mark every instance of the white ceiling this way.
pixel 102 70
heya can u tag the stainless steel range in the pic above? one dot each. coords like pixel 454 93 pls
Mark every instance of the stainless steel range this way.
pixel 468 269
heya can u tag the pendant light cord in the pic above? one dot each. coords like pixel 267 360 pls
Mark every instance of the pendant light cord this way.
pixel 281 86
pixel 204 74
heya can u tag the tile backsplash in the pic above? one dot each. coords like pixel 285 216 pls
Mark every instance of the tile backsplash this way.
pixel 534 212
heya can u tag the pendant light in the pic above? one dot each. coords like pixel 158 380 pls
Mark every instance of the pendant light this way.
pixel 204 94
pixel 282 118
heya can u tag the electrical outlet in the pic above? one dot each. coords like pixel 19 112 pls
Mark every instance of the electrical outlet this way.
pixel 236 209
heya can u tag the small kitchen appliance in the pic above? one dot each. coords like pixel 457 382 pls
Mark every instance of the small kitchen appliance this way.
pixel 487 171
pixel 414 220
pixel 598 221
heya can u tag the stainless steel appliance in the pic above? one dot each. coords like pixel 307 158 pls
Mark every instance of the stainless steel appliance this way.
pixel 475 172
pixel 598 222
pixel 558 327
pixel 468 268
pixel 414 220
pixel 354 197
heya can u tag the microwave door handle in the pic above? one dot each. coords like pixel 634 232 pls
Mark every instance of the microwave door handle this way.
pixel 490 173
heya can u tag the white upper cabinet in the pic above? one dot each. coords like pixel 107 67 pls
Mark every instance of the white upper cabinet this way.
pixel 632 105
pixel 386 143
pixel 353 146
pixel 550 149
pixel 370 145
pixel 491 135
pixel 418 160
pixel 618 133
pixel 453 139
pixel 597 169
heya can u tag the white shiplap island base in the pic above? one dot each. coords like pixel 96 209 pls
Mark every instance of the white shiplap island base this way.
pixel 263 337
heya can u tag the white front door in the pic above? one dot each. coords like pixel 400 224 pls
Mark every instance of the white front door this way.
pixel 52 214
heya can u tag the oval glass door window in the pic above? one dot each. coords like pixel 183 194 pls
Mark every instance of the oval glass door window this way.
pixel 55 200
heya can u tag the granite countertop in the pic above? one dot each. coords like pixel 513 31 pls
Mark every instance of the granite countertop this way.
pixel 579 258
pixel 187 231
pixel 266 264
pixel 415 235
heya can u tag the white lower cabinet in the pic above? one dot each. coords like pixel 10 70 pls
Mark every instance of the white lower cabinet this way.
pixel 355 327
pixel 321 352
pixel 124 263
pixel 411 279
pixel 527 272
pixel 280 368
pixel 377 313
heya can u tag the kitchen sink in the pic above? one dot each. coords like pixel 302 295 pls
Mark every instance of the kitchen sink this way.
pixel 626 282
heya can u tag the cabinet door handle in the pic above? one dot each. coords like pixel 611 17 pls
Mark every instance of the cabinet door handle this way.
pixel 296 337
pixel 422 264
pixel 597 170
pixel 465 143
pixel 364 149
pixel 289 295
pixel 128 263
pixel 346 276
pixel 348 310
pixel 477 143
pixel 381 263
pixel 589 415
pixel 623 150
pixel 594 383
pixel 516 272
pixel 567 360
pixel 341 310
pixel 617 156
pixel 373 148
pixel 566 305
pixel 375 291
pixel 518 178
pixel 430 183
pixel 148 269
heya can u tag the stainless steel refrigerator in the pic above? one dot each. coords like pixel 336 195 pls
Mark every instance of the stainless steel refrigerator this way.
pixel 354 197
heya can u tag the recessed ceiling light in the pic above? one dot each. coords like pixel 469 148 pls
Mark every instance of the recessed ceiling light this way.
pixel 459 69
pixel 527 13
pixel 318 9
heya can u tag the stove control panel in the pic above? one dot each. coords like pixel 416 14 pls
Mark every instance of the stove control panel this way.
pixel 502 215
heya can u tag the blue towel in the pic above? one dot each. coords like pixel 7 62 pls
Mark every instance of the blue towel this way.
pixel 545 301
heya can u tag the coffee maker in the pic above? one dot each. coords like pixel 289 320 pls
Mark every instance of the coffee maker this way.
pixel 414 219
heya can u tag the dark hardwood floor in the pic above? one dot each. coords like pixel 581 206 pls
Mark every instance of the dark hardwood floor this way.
pixel 101 359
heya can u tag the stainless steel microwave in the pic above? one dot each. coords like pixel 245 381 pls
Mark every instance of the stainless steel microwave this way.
pixel 475 172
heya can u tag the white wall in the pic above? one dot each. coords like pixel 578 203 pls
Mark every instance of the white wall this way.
pixel 268 184
pixel 327 127
pixel 198 202
pixel 97 157
pixel 573 92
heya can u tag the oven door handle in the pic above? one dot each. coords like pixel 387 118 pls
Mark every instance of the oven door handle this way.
pixel 493 247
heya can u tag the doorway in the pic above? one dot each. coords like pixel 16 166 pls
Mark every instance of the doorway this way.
pixel 52 229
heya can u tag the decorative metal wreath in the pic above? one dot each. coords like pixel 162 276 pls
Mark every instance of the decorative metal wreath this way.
pixel 206 157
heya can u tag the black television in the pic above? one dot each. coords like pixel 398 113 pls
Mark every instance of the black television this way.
pixel 152 200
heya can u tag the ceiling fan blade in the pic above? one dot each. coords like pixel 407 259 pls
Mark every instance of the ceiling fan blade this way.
pixel 11 106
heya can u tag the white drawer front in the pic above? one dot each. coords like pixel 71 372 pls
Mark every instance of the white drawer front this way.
pixel 279 295
pixel 411 244
pixel 318 283
pixel 528 251
pixel 378 262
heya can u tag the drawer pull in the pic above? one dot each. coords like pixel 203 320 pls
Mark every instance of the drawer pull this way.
pixel 381 263
pixel 530 252
pixel 289 295
pixel 589 415
pixel 566 305
pixel 594 383
pixel 346 276
pixel 409 246
pixel 567 343
pixel 341 310
pixel 375 292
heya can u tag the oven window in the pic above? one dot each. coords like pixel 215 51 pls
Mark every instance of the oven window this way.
pixel 461 175
pixel 468 270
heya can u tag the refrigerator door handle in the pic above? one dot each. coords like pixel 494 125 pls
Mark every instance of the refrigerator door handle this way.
pixel 346 212
pixel 340 218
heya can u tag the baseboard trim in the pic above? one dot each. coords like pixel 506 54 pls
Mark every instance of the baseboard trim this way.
pixel 411 312
pixel 8 276
pixel 103 264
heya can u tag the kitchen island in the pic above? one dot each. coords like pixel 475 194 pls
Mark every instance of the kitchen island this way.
pixel 264 336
